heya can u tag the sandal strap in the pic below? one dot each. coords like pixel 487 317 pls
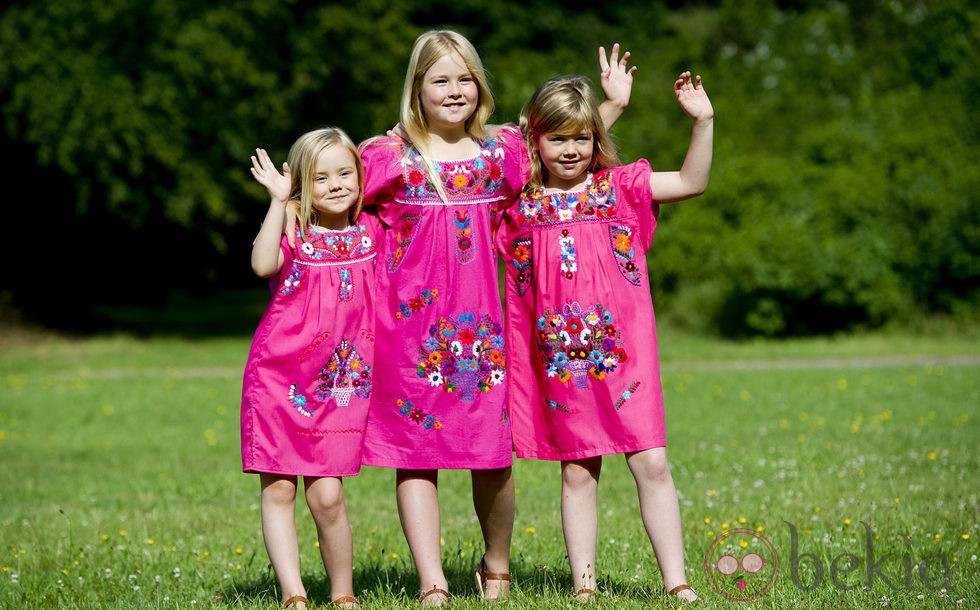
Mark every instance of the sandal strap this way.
pixel 676 590
pixel 292 601
pixel 584 592
pixel 491 575
pixel 433 591
pixel 347 599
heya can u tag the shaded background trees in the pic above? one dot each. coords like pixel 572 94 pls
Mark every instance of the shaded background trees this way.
pixel 844 190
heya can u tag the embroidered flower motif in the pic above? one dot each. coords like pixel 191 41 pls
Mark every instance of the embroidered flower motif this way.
pixel 463 363
pixel 473 179
pixel 292 281
pixel 622 248
pixel 299 401
pixel 596 201
pixel 343 375
pixel 569 348
pixel 627 394
pixel 418 416
pixel 403 238
pixel 416 303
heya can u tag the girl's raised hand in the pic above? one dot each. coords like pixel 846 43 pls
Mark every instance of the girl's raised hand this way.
pixel 266 174
pixel 614 76
pixel 693 100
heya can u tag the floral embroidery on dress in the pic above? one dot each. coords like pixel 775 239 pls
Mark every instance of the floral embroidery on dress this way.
pixel 346 373
pixel 464 237
pixel 468 179
pixel 622 247
pixel 579 343
pixel 627 394
pixel 346 289
pixel 404 235
pixel 594 202
pixel 299 401
pixel 521 253
pixel 417 303
pixel 313 346
pixel 324 246
pixel 291 283
pixel 566 244
pixel 420 417
pixel 554 405
pixel 465 354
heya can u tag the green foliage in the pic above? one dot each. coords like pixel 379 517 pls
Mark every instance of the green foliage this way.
pixel 843 193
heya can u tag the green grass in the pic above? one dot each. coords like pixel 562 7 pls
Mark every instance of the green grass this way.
pixel 121 480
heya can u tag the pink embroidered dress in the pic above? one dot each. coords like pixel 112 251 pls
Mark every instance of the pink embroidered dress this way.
pixel 439 388
pixel 309 374
pixel 580 319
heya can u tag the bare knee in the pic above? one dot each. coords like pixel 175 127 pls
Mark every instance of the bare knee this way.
pixel 280 491
pixel 580 474
pixel 326 497
pixel 650 465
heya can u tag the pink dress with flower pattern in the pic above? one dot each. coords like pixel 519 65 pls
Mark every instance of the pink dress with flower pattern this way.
pixel 439 390
pixel 309 374
pixel 580 315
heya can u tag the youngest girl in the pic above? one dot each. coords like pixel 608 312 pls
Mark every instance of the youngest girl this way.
pixel 579 310
pixel 309 372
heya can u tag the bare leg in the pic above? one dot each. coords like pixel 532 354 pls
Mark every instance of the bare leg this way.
pixel 579 519
pixel 325 497
pixel 279 532
pixel 661 514
pixel 418 509
pixel 493 499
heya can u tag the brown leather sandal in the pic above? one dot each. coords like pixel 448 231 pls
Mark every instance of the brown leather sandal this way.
pixel 675 592
pixel 424 595
pixel 483 577
pixel 348 601
pixel 584 595
pixel 292 601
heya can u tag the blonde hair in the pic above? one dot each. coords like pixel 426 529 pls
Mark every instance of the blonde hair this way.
pixel 303 155
pixel 429 48
pixel 565 105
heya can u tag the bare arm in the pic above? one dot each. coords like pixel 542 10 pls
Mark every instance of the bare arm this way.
pixel 267 257
pixel 692 179
pixel 617 84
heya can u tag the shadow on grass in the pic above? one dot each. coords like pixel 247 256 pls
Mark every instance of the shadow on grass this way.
pixel 399 584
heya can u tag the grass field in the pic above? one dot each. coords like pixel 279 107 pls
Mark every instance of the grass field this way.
pixel 850 465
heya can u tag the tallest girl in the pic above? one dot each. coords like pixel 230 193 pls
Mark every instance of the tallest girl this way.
pixel 439 399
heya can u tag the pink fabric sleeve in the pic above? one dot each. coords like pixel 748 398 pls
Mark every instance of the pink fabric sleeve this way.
pixel 516 161
pixel 632 183
pixel 382 172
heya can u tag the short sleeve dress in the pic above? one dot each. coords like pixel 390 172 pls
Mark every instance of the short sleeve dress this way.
pixel 439 388
pixel 309 373
pixel 580 319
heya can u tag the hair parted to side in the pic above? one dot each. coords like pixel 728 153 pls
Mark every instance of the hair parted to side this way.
pixel 429 48
pixel 566 105
pixel 303 155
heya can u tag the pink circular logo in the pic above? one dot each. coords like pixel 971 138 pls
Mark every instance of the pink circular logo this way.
pixel 741 565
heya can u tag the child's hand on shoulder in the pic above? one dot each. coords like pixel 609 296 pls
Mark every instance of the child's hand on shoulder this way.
pixel 692 97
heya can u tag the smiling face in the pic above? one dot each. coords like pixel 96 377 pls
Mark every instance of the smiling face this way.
pixel 335 186
pixel 449 95
pixel 566 158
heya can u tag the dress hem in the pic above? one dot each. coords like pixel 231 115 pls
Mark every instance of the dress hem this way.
pixel 556 455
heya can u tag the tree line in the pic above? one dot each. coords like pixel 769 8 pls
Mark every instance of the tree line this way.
pixel 843 193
